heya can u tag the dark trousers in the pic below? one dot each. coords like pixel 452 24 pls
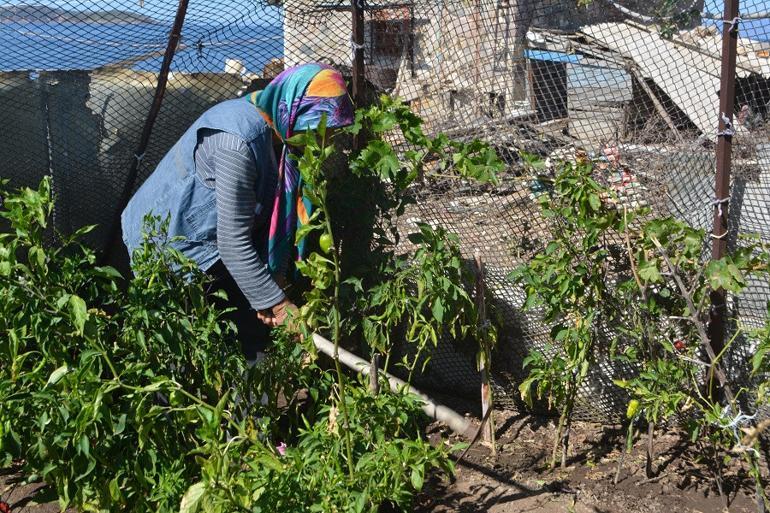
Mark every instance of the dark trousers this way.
pixel 253 335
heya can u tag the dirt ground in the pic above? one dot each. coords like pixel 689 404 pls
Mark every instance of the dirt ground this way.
pixel 23 497
pixel 517 480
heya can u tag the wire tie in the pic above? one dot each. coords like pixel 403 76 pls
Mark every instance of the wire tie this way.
pixel 729 131
pixel 355 45
pixel 733 23
pixel 718 203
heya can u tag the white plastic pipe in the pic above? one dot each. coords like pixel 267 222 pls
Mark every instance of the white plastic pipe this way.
pixel 451 418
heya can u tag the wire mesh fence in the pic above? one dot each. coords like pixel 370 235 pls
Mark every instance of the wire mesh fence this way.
pixel 633 85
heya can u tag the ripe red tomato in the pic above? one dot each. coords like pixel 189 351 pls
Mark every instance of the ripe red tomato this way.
pixel 679 345
pixel 5 507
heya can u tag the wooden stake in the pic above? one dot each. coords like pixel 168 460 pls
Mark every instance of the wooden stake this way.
pixel 487 404
pixel 374 374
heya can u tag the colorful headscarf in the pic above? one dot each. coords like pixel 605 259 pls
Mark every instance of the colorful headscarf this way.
pixel 296 100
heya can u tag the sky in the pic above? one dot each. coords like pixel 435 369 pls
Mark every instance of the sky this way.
pixel 753 29
pixel 746 6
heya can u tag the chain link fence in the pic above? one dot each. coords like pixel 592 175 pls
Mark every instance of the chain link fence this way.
pixel 633 84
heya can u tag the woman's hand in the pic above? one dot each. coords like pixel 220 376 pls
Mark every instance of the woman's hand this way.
pixel 278 314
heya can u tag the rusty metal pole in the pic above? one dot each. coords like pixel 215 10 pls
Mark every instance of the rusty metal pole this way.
pixel 173 41
pixel 359 72
pixel 359 140
pixel 723 162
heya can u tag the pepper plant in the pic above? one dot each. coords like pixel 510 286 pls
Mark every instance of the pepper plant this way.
pixel 133 396
pixel 569 282
pixel 150 406
pixel 648 282
pixel 682 375
pixel 102 391
pixel 421 296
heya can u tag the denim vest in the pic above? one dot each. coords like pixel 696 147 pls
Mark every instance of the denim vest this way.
pixel 175 190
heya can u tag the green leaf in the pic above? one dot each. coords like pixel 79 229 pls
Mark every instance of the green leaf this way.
pixel 759 357
pixel 78 312
pixel 299 139
pixel 84 446
pixel 595 202
pixel 525 389
pixel 114 488
pixel 269 461
pixel 108 272
pixel 416 478
pixel 649 272
pixel 37 255
pixel 152 387
pixel 57 375
pixel 438 310
pixel 121 426
pixel 384 122
pixel 361 501
pixel 192 498
pixel 304 230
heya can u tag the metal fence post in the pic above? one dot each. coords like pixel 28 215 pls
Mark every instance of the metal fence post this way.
pixel 359 72
pixel 723 162
pixel 173 41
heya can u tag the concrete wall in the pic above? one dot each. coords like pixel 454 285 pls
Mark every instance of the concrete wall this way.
pixel 83 128
pixel 468 61
pixel 23 148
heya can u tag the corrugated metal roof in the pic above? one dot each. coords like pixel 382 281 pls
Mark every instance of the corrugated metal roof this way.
pixel 749 58
pixel 690 78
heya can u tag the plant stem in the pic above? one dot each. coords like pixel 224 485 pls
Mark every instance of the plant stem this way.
pixel 716 369
pixel 386 365
pixel 374 374
pixel 336 338
pixel 650 450
pixel 485 360
pixel 626 449
pixel 759 489
pixel 567 427
pixel 566 412
pixel 557 437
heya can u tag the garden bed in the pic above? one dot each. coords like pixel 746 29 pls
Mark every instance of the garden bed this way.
pixel 518 480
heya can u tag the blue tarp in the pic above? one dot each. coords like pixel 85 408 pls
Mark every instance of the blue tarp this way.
pixel 546 55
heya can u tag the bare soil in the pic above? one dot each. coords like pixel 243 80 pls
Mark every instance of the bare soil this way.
pixel 518 478
pixel 26 497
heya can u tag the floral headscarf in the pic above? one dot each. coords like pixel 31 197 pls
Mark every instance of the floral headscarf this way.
pixel 294 101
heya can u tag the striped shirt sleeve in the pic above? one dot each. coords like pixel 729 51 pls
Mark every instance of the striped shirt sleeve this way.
pixel 227 161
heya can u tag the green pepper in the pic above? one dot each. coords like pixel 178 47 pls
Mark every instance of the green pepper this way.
pixel 326 242
pixel 633 408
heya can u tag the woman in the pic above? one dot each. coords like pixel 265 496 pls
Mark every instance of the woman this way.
pixel 235 207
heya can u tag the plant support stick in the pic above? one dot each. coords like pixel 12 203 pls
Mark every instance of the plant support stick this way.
pixel 484 357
